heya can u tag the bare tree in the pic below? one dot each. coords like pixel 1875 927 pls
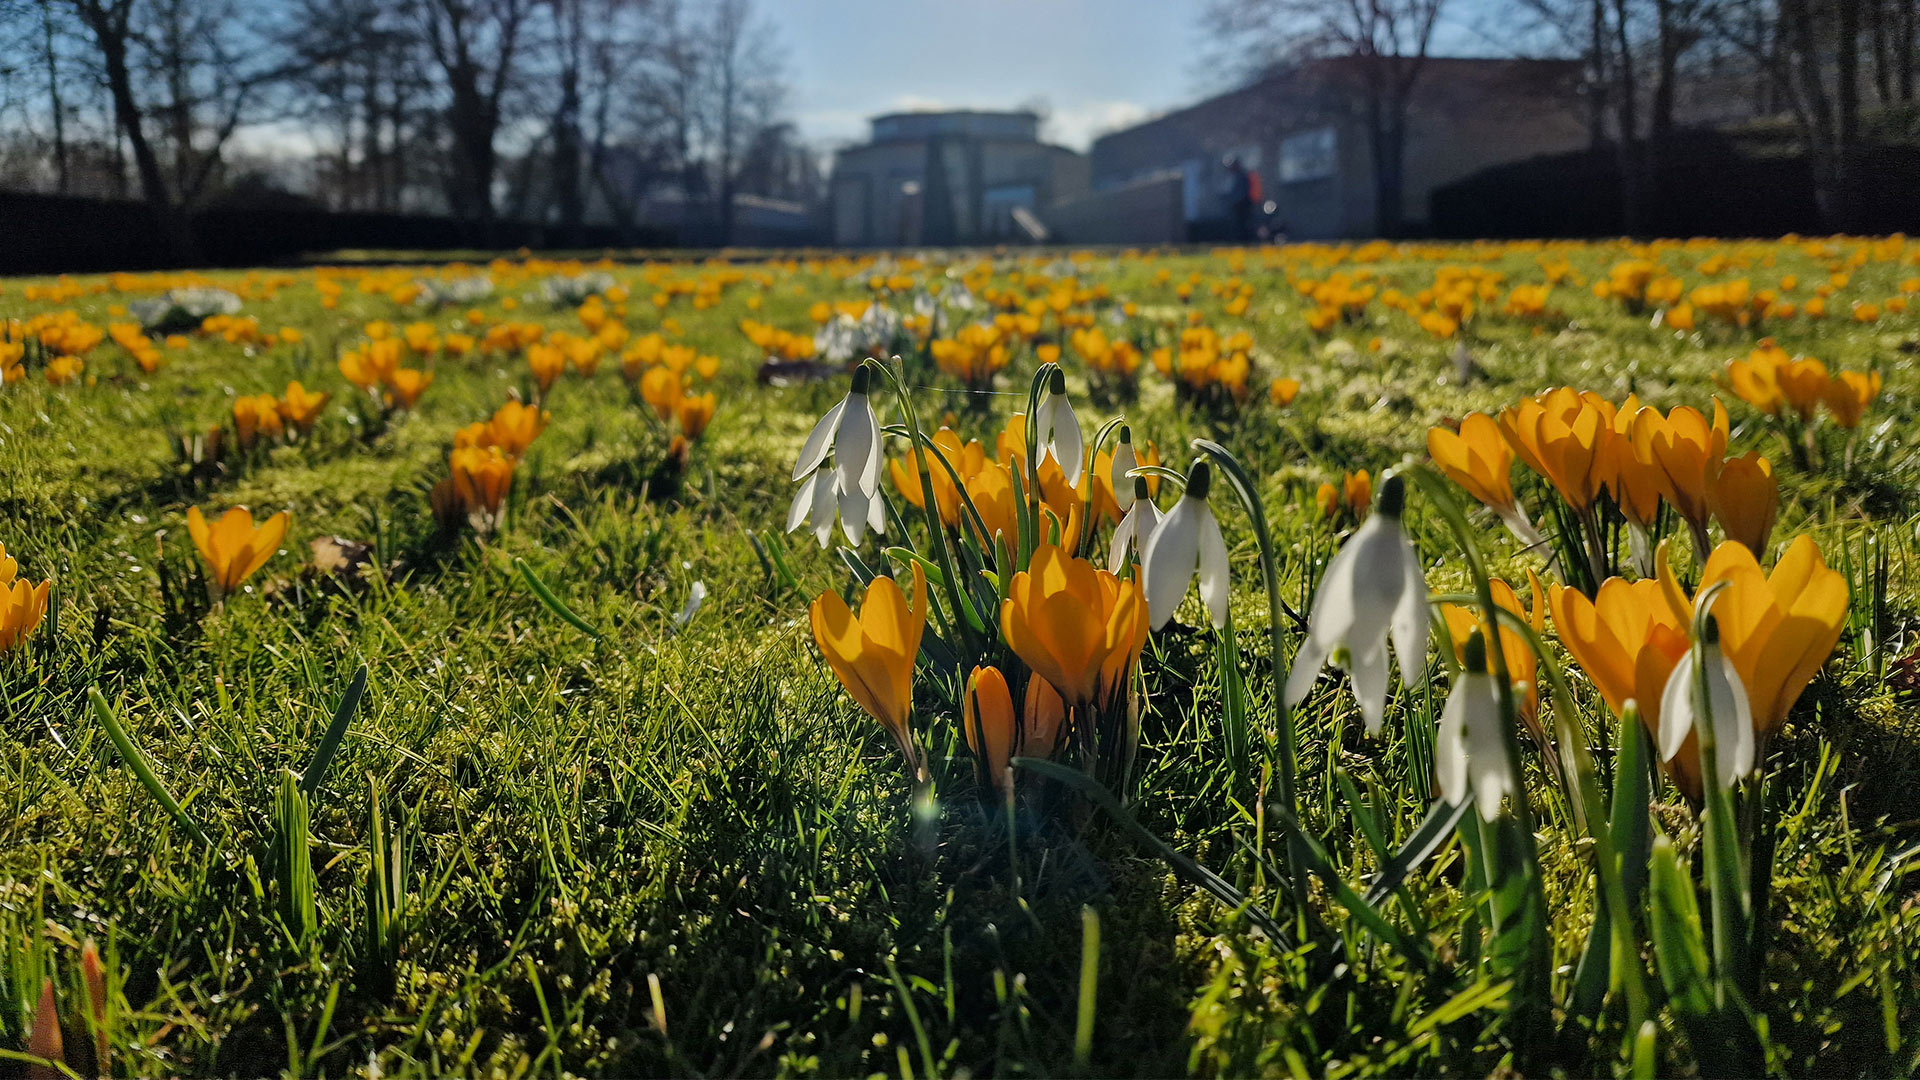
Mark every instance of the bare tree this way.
pixel 1811 49
pixel 742 97
pixel 1387 41
pixel 475 46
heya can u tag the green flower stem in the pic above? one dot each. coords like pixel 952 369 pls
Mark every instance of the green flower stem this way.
pixel 1287 773
pixel 1726 880
pixel 963 609
pixel 1581 782
pixel 1536 976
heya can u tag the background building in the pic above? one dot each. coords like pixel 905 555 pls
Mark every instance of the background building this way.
pixel 1304 130
pixel 949 178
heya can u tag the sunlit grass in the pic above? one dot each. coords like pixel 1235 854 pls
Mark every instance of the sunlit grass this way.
pixel 657 852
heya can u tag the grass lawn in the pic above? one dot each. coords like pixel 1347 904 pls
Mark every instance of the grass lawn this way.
pixel 679 847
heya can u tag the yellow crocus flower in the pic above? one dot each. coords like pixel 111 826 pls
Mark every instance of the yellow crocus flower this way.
pixel 234 547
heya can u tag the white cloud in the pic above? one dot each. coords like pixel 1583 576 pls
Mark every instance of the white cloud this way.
pixel 1078 125
pixel 918 103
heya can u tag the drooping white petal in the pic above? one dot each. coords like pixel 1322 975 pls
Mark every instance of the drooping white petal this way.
pixel 856 509
pixel 1213 567
pixel 819 441
pixel 1332 615
pixel 1486 749
pixel 856 446
pixel 1132 533
pixel 1450 745
pixel 1059 435
pixel 877 513
pixel 1368 670
pixel 1676 708
pixel 1470 756
pixel 1360 591
pixel 803 500
pixel 1306 670
pixel 1410 618
pixel 1122 540
pixel 1123 463
pixel 821 513
pixel 1728 707
pixel 1168 560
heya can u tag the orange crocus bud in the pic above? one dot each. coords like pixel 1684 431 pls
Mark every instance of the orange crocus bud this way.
pixel 1746 498
pixel 989 723
pixel 481 477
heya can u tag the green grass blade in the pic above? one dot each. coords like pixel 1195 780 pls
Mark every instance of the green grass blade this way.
pixel 137 761
pixel 336 731
pixel 554 603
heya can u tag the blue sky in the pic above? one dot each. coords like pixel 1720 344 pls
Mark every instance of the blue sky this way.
pixel 1096 64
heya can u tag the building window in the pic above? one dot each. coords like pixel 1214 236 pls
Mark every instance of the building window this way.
pixel 1309 155
pixel 1001 199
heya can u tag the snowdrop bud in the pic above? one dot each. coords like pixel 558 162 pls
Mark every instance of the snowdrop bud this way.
pixel 1393 497
pixel 1469 754
pixel 1728 709
pixel 1186 542
pixel 1124 462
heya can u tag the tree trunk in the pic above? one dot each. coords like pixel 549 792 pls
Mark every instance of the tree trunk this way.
pixel 1666 76
pixel 54 100
pixel 1847 113
pixel 1627 111
pixel 169 217
pixel 566 159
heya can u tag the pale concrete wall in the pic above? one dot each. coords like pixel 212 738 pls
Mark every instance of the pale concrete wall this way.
pixel 1146 211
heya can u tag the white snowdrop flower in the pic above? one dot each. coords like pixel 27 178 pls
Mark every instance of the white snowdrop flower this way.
pixel 1469 754
pixel 1135 526
pixel 1729 710
pixel 1057 431
pixel 1373 588
pixel 1185 543
pixel 821 498
pixel 1124 462
pixel 851 433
